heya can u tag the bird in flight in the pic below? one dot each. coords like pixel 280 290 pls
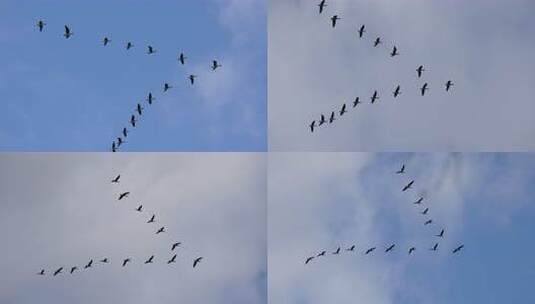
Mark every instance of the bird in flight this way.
pixel 67 32
pixel 149 260
pixel 362 30
pixel 352 248
pixel 334 19
pixel 125 261
pixel 215 65
pixel 182 58
pixel 42 272
pixel 119 141
pixel 390 248
pixel 139 208
pixel 152 219
pixel 402 170
pixel 150 98
pixel 343 110
pixel 73 269
pixel 139 109
pixel 408 186
pixel 41 24
pixel 116 179
pixel 133 120
pixel 175 245
pixel 197 261
pixel 312 125
pixel 449 84
pixel 113 148
pixel 435 247
pixel 428 222
pixel 337 251
pixel 411 250
pixel 309 259
pixel 150 50
pixel 88 264
pixel 192 78
pixel 374 97
pixel 419 201
pixel 332 119
pixel 424 88
pixel 425 211
pixel 105 41
pixel 370 250
pixel 458 249
pixel 58 271
pixel 356 102
pixel 441 234
pixel 394 52
pixel 420 70
pixel 322 5
pixel 397 91
pixel 162 229
pixel 377 42
pixel 125 132
pixel 166 87
pixel 322 120
pixel 123 195
pixel 129 45
pixel 104 260
pixel 172 260
pixel 322 253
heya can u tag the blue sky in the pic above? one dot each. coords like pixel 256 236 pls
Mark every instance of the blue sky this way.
pixel 318 201
pixel 76 95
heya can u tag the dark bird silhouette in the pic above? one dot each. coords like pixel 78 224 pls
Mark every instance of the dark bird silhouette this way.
pixel 322 253
pixel 423 89
pixel 105 41
pixel 42 272
pixel 356 102
pixel 150 50
pixel 175 245
pixel 129 45
pixel 139 208
pixel 337 251
pixel 394 52
pixel 425 211
pixel 119 141
pixel 312 125
pixel 374 97
pixel 172 260
pixel 377 42
pixel 411 250
pixel 362 30
pixel 166 87
pixel 68 33
pixel 113 147
pixel 116 179
pixel 149 260
pixel 419 201
pixel 182 58
pixel 390 248
pixel 428 222
pixel 125 261
pixel 150 98
pixel 343 110
pixel 73 269
pixel 162 229
pixel 322 5
pixel 332 119
pixel 215 65
pixel 192 78
pixel 40 25
pixel 397 91
pixel 458 249
pixel 139 109
pixel 322 120
pixel 435 247
pixel 449 84
pixel 125 132
pixel 88 264
pixel 408 186
pixel 402 170
pixel 197 261
pixel 309 259
pixel 370 250
pixel 123 195
pixel 104 260
pixel 133 120
pixel 352 248
pixel 58 271
pixel 420 71
pixel 152 219
pixel 334 19
pixel 441 234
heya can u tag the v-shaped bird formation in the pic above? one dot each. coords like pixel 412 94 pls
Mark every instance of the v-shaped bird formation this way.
pixel 409 249
pixel 397 90
pixel 140 106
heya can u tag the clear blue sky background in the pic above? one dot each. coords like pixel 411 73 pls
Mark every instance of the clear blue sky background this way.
pixel 76 95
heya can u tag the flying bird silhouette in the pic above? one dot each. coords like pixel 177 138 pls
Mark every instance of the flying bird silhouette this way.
pixel 420 70
pixel 88 264
pixel 370 250
pixel 312 125
pixel 435 247
pixel 449 84
pixel 352 248
pixel 428 222
pixel 390 248
pixel 139 109
pixel 42 272
pixel 162 229
pixel 125 132
pixel 175 245
pixel 133 120
pixel 343 110
pixel 356 102
pixel 423 89
pixel 105 41
pixel 309 259
pixel 425 211
pixel 411 250
pixel 334 19
pixel 441 234
pixel 458 249
pixel 104 260
pixel 197 261
pixel 322 120
pixel 332 119
pixel 182 58
pixel 150 98
pixel 397 91
pixel 73 269
pixel 337 251
pixel 113 147
pixel 362 30
pixel 419 201
pixel 129 45
pixel 58 271
pixel 149 260
pixel 150 50
pixel 119 141
pixel 123 195
pixel 374 97
pixel 166 87
pixel 322 253
pixel 377 42
pixel 408 186
pixel 394 52
pixel 139 208
pixel 215 65
pixel 172 260
pixel 116 179
pixel 192 78
pixel 322 5
pixel 402 170
pixel 40 25
pixel 125 261
pixel 152 219
pixel 68 33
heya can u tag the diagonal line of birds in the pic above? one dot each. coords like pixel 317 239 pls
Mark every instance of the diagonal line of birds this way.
pixel 410 249
pixel 125 261
pixel 396 92
pixel 138 110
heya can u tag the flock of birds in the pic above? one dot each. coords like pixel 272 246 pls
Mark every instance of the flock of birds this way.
pixel 375 96
pixel 124 262
pixel 138 110
pixel 390 247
